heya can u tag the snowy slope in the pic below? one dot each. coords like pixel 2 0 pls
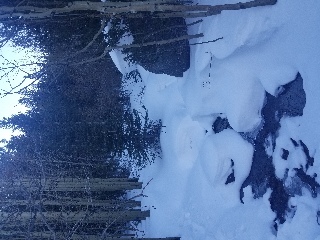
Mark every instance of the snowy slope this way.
pixel 261 50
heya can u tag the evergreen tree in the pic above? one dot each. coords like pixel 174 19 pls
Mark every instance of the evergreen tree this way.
pixel 75 110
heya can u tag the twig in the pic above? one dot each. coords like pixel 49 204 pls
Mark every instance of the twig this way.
pixel 141 194
pixel 206 41
pixel 23 65
pixel 146 184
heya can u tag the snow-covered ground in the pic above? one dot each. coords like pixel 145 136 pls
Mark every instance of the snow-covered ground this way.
pixel 262 49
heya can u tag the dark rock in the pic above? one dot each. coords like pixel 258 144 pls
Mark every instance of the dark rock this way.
pixel 290 102
pixel 294 185
pixel 231 177
pixel 310 160
pixel 294 142
pixel 309 181
pixel 285 154
pixel 172 58
pixel 278 199
pixel 220 124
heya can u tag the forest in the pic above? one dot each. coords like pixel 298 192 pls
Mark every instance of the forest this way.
pixel 82 122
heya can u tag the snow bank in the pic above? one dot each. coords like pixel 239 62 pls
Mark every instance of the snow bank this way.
pixel 304 223
pixel 251 221
pixel 220 90
pixel 223 152
pixel 261 50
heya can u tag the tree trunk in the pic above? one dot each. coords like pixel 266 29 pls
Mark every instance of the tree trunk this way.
pixel 160 8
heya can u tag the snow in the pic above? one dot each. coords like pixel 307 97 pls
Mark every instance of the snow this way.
pixel 261 50
pixel 304 223
pixel 216 154
pixel 289 128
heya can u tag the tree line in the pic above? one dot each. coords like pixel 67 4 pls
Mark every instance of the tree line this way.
pixel 76 110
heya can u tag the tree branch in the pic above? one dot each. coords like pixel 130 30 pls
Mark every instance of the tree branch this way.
pixel 161 42
pixel 160 8
pixel 220 38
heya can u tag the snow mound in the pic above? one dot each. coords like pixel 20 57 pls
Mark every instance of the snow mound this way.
pixel 219 152
pixel 193 190
pixel 219 90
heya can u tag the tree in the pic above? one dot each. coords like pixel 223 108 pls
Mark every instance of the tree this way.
pixel 23 23
pixel 26 10
pixel 42 22
pixel 77 110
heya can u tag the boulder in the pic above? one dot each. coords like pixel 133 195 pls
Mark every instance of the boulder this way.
pixel 171 58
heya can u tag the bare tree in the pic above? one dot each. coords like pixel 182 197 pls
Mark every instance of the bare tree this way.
pixel 161 8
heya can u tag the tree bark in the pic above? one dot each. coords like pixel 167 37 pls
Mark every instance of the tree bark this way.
pixel 160 8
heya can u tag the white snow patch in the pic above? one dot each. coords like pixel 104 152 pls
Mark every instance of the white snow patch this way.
pixel 261 50
pixel 304 224
pixel 216 154
pixel 296 159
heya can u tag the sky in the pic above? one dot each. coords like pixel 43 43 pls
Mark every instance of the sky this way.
pixel 9 104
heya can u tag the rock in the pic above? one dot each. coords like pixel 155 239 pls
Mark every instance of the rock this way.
pixel 292 100
pixel 289 102
pixel 172 58
pixel 220 124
